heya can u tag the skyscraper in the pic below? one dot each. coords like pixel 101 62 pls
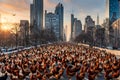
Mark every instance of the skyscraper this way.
pixel 89 23
pixel 107 9
pixel 97 19
pixel 76 27
pixel 24 32
pixel 39 13
pixel 65 33
pixel 60 11
pixel 112 10
pixel 113 14
pixel 32 15
pixel 90 26
pixel 36 14
pixel 72 23
pixel 52 23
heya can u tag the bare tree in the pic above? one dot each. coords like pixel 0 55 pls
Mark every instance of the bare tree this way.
pixel 15 31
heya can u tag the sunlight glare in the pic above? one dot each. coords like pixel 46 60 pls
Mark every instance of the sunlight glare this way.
pixel 5 28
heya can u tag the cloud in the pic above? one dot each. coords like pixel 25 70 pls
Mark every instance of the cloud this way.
pixel 80 8
pixel 18 7
pixel 88 7
pixel 49 5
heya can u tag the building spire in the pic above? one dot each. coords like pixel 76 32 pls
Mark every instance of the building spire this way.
pixel 97 19
pixel 60 1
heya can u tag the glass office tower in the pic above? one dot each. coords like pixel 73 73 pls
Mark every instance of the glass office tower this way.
pixel 59 10
pixel 113 9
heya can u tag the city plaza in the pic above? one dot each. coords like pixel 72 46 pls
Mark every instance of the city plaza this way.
pixel 60 61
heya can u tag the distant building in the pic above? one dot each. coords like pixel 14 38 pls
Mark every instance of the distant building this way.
pixel 65 33
pixel 90 26
pixel 116 28
pixel 105 25
pixel 72 23
pixel 97 26
pixel 24 32
pixel 89 23
pixel 32 14
pixel 59 10
pixel 52 23
pixel 97 19
pixel 100 37
pixel 76 27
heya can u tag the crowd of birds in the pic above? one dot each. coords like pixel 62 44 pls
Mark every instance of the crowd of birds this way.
pixel 60 61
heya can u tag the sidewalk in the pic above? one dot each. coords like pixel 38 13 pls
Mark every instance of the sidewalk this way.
pixel 116 52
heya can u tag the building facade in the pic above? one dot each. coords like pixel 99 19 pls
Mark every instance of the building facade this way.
pixel 116 28
pixel 89 26
pixel 24 32
pixel 89 23
pixel 113 10
pixel 112 13
pixel 32 14
pixel 59 10
pixel 52 23
pixel 76 27
pixel 36 14
pixel 105 25
pixel 72 23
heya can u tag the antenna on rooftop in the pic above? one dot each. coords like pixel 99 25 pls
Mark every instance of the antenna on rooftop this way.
pixel 72 11
pixel 60 1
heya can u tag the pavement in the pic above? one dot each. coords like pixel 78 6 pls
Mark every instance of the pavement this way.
pixel 116 52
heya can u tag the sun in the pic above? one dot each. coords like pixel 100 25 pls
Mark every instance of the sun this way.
pixel 5 28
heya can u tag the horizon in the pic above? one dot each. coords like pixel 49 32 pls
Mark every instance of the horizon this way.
pixel 14 12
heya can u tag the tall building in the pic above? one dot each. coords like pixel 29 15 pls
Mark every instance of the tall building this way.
pixel 36 14
pixel 52 23
pixel 89 23
pixel 32 14
pixel 107 9
pixel 72 23
pixel 97 19
pixel 90 26
pixel 65 33
pixel 76 27
pixel 113 10
pixel 24 32
pixel 60 11
pixel 116 34
pixel 113 14
pixel 105 25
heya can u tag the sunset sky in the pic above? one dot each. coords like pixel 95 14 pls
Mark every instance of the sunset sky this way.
pixel 16 10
